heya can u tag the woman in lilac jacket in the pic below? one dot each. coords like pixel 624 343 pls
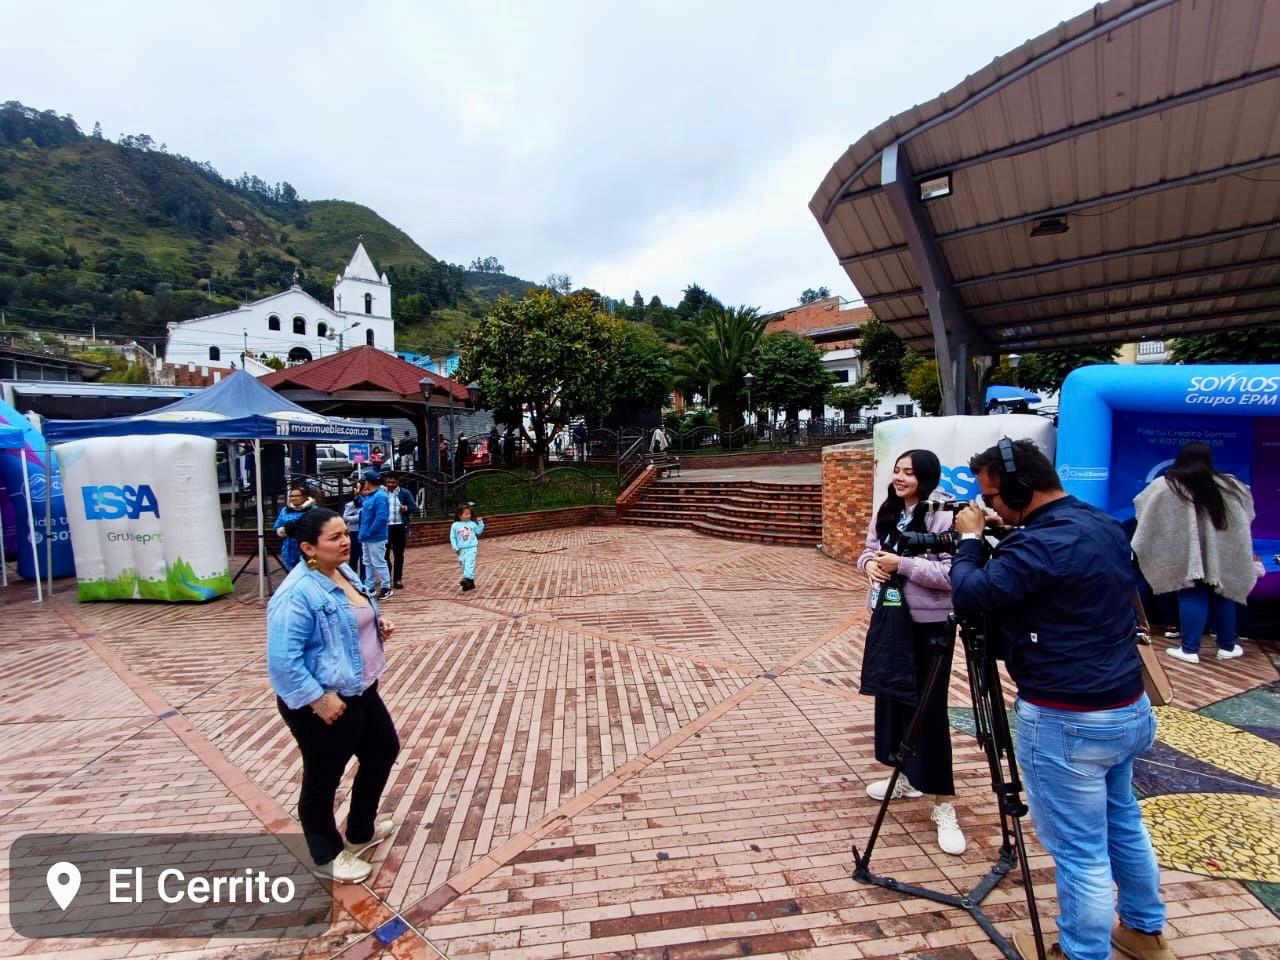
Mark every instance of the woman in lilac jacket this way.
pixel 927 588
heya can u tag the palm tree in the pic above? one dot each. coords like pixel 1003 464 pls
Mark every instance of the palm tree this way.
pixel 717 350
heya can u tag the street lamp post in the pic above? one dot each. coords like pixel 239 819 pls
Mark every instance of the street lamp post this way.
pixel 749 379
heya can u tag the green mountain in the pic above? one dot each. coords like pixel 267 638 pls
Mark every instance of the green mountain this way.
pixel 126 237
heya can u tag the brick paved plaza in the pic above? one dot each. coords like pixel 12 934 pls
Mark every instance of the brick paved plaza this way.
pixel 625 743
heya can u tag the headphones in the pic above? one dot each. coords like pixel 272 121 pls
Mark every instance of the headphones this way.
pixel 1015 489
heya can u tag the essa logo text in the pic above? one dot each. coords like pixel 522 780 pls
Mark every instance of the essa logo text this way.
pixel 109 502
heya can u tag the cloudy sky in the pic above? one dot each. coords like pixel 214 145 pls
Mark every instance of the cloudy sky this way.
pixel 641 145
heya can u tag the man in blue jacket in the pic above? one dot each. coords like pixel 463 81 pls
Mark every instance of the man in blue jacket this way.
pixel 374 511
pixel 1061 587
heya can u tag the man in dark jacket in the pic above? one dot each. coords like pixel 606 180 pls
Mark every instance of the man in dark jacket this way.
pixel 400 507
pixel 1061 589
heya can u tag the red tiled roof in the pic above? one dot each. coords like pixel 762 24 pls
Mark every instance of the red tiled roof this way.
pixel 361 368
pixel 820 315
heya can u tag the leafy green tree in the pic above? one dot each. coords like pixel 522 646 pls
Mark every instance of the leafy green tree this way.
pixel 883 357
pixel 644 375
pixel 923 384
pixel 852 399
pixel 1249 345
pixel 1046 370
pixel 553 357
pixel 811 295
pixel 560 283
pixel 718 350
pixel 695 300
pixel 789 373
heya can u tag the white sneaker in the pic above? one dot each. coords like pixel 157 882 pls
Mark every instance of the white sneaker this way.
pixel 1179 654
pixel 381 830
pixel 1236 651
pixel 902 788
pixel 950 839
pixel 346 867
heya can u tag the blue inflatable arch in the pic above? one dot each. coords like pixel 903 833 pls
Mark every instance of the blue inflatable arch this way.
pixel 1121 426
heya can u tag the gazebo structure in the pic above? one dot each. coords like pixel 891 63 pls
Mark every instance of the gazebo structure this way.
pixel 1113 179
pixel 368 382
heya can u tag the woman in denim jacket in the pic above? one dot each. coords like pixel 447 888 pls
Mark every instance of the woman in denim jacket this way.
pixel 324 658
pixel 927 588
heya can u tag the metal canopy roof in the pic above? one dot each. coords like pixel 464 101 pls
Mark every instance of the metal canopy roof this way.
pixel 1151 126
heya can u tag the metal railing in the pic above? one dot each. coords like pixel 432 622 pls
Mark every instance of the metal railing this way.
pixel 437 495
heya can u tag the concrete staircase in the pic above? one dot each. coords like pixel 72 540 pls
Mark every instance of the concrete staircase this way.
pixel 780 513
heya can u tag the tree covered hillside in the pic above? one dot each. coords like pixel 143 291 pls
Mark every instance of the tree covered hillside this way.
pixel 126 237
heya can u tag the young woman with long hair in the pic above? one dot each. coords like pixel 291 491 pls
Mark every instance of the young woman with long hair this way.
pixel 1193 538
pixel 927 589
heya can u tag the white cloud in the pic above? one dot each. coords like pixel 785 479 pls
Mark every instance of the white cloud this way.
pixel 631 145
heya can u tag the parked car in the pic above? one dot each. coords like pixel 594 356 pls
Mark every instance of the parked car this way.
pixel 331 459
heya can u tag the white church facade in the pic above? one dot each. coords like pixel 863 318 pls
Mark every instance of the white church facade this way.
pixel 292 325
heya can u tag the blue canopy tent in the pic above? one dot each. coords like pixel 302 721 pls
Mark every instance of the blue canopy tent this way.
pixel 12 438
pixel 237 408
pixel 1000 393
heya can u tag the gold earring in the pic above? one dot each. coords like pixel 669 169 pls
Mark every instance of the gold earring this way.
pixel 311 562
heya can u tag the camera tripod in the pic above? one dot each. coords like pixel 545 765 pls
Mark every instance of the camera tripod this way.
pixel 992 730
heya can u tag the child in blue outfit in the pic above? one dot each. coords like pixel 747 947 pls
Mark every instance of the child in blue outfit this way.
pixel 297 504
pixel 464 537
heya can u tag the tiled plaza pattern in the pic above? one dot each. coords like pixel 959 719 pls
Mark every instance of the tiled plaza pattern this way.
pixel 625 743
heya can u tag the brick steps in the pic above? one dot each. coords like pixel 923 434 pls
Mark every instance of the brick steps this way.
pixel 781 513
pixel 749 508
pixel 801 524
pixel 758 535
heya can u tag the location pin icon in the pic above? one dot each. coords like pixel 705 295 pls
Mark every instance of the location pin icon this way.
pixel 64 882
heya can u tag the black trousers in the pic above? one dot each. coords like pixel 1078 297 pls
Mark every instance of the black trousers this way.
pixel 929 769
pixel 354 562
pixel 396 534
pixel 364 731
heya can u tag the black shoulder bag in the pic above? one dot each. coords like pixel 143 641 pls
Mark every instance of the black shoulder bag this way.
pixel 888 658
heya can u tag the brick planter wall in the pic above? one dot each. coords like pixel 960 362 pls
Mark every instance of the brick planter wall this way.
pixel 847 472
pixel 437 531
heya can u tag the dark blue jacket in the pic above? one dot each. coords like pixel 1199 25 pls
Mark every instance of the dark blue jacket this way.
pixel 1061 587
pixel 405 498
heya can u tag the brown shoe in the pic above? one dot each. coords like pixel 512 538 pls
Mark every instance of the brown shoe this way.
pixel 1141 946
pixel 1024 941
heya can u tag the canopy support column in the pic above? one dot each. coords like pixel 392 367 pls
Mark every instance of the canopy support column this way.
pixel 262 540
pixel 48 517
pixel 31 524
pixel 956 340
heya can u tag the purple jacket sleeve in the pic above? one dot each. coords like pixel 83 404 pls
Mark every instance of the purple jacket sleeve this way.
pixel 934 574
pixel 871 548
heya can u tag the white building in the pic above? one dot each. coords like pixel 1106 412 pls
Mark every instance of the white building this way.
pixel 292 325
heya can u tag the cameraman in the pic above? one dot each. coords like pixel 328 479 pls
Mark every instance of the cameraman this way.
pixel 1062 587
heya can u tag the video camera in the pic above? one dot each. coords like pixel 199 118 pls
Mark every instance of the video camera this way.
pixel 910 543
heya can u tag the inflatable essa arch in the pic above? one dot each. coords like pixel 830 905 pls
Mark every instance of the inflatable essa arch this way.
pixel 1120 427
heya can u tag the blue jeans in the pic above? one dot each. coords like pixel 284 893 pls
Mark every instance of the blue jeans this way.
pixel 1197 607
pixel 375 563
pixel 1078 771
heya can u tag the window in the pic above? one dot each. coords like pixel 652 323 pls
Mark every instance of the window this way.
pixel 299 355
pixel 215 353
pixel 300 325
pixel 322 329
pixel 842 376
pixel 273 322
pixel 368 303
pixel 368 336
pixel 906 409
